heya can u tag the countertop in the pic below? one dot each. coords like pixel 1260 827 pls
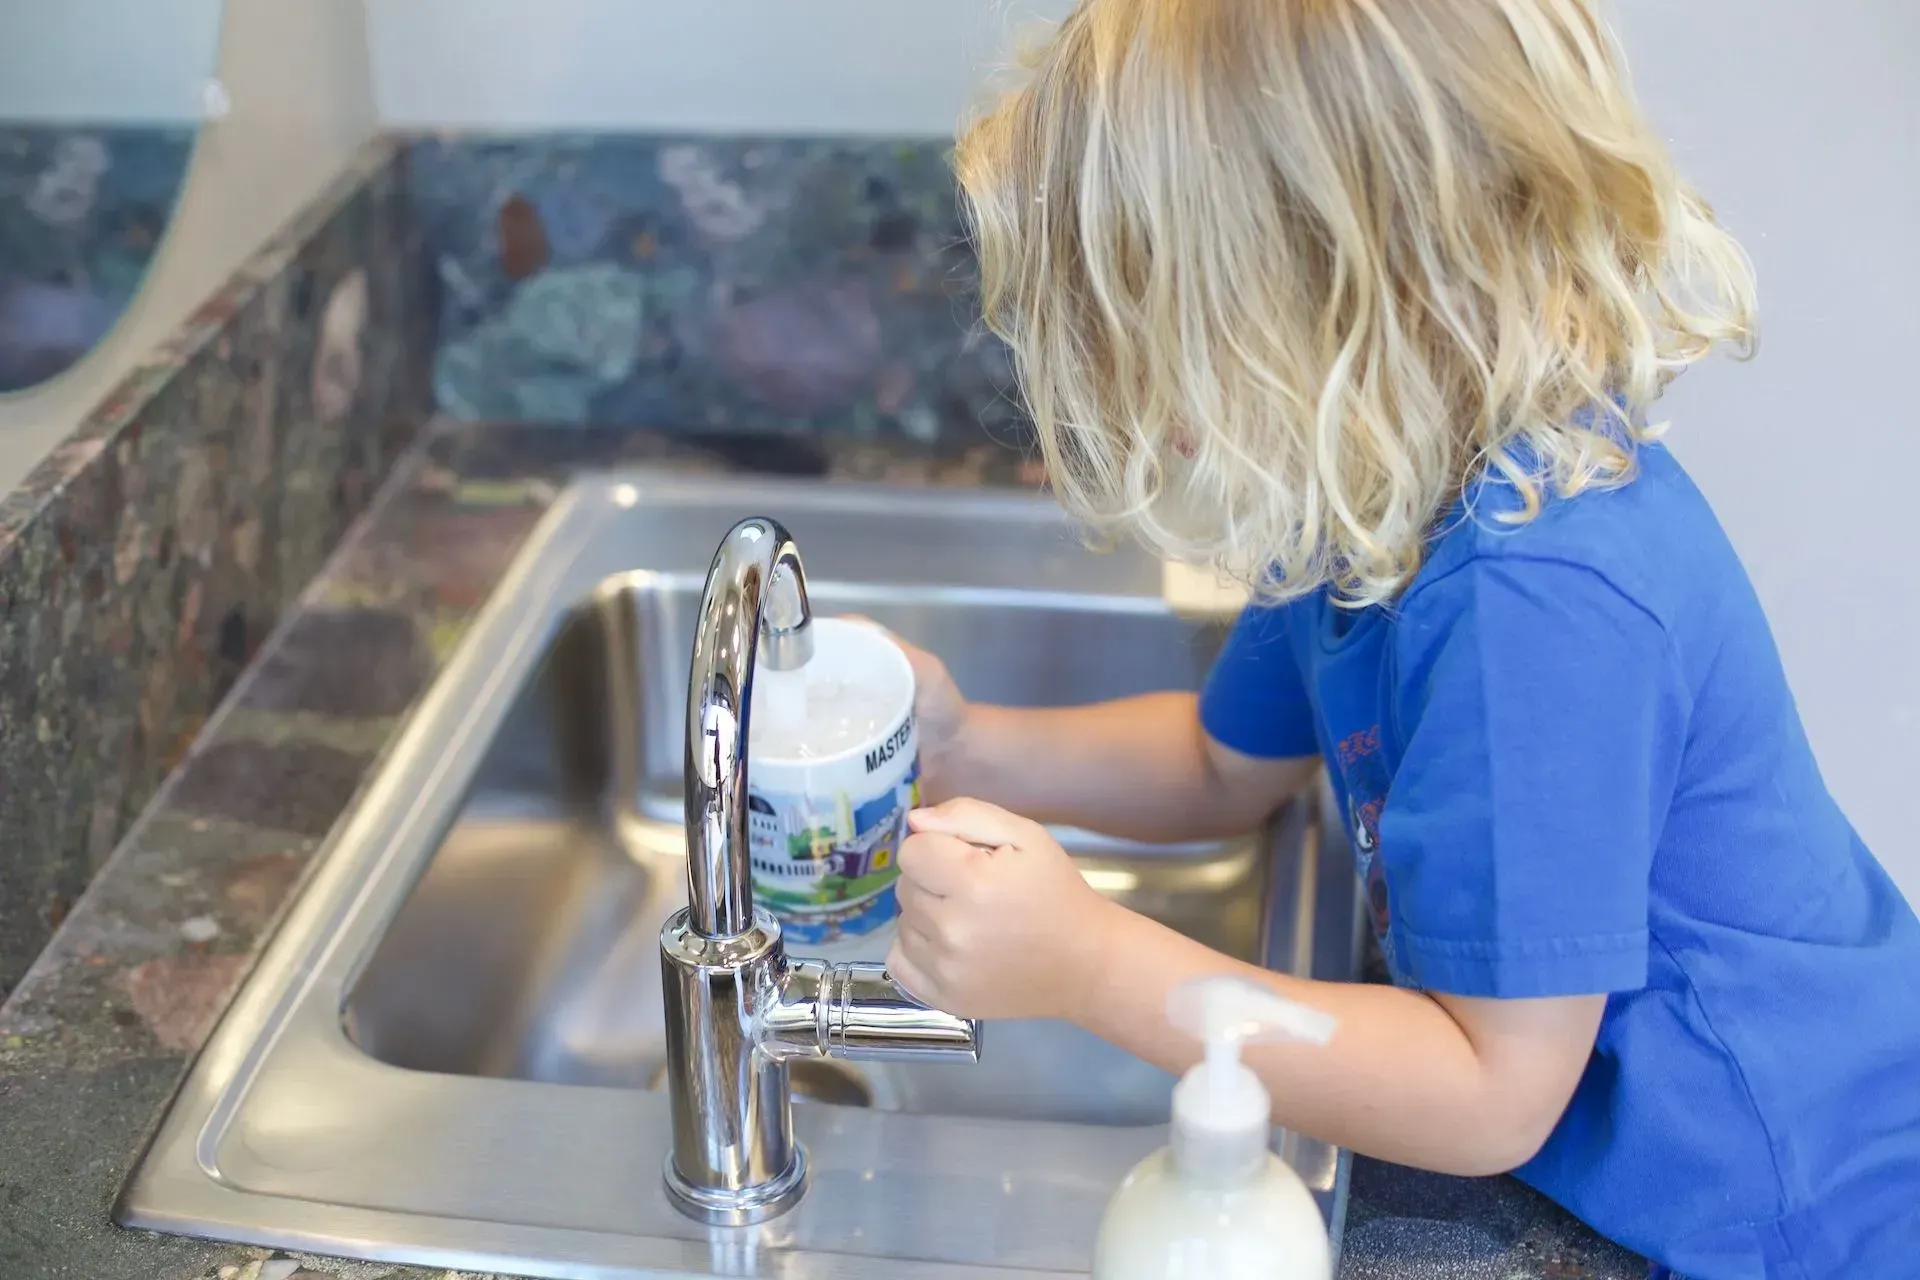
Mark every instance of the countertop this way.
pixel 103 1028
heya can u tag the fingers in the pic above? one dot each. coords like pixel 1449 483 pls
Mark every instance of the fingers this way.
pixel 918 948
pixel 975 822
pixel 907 975
pixel 915 898
pixel 937 864
pixel 915 957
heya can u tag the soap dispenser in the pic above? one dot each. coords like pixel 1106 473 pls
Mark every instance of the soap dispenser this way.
pixel 1217 1204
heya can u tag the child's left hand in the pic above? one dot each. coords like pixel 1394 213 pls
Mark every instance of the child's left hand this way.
pixel 995 919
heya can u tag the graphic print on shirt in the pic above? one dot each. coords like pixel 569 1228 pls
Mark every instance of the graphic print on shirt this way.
pixel 1364 779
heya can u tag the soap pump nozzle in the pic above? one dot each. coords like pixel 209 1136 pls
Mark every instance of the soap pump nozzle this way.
pixel 1217 1202
pixel 1221 1112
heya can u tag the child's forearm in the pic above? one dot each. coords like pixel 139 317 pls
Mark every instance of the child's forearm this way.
pixel 996 922
pixel 1137 768
pixel 1401 1081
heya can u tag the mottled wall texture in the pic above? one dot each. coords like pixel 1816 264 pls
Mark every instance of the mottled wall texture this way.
pixel 82 213
pixel 709 285
pixel 144 561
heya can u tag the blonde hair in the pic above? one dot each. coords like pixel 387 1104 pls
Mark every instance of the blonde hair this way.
pixel 1281 276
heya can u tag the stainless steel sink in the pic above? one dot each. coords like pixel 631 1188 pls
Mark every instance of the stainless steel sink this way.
pixel 450 1054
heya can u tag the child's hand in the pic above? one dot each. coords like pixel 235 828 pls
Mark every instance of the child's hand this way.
pixel 995 919
pixel 937 703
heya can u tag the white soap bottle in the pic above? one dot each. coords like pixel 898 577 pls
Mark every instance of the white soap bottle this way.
pixel 1217 1204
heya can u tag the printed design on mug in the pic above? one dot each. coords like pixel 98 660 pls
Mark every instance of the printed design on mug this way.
pixel 827 864
pixel 833 772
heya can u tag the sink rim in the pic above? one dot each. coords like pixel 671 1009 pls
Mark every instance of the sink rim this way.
pixel 288 1013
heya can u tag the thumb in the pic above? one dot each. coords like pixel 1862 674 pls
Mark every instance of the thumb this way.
pixel 907 976
pixel 974 821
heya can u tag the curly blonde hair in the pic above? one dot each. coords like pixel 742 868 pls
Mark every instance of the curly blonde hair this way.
pixel 1282 276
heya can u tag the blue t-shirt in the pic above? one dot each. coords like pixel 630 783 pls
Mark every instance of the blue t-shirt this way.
pixel 1571 766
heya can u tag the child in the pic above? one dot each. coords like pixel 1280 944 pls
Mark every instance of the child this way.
pixel 1365 302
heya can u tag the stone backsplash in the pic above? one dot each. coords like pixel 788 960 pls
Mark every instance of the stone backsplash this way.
pixel 763 293
pixel 708 285
pixel 143 562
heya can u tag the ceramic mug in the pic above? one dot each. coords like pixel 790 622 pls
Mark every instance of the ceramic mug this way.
pixel 824 830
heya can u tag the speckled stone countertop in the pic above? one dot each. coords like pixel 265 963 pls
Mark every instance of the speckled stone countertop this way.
pixel 102 1029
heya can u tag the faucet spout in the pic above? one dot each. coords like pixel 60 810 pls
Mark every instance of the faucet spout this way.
pixel 756 595
pixel 737 1010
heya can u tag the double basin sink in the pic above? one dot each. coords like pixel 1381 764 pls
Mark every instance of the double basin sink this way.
pixel 451 1053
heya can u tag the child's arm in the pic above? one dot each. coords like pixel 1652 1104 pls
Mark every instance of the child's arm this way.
pixel 996 922
pixel 1138 768
pixel 1461 1086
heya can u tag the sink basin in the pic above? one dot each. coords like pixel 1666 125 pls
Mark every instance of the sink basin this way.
pixel 450 1055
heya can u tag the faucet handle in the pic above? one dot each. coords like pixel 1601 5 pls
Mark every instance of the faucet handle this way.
pixel 859 1011
pixel 869 1015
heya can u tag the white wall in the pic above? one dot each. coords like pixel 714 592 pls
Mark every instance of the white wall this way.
pixel 302 104
pixel 750 66
pixel 1802 122
pixel 106 61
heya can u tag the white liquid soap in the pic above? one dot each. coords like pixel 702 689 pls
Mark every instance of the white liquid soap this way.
pixel 1217 1204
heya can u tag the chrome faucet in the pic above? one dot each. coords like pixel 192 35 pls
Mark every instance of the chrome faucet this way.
pixel 738 1010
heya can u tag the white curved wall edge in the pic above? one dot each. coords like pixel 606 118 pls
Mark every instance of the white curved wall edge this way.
pixel 302 105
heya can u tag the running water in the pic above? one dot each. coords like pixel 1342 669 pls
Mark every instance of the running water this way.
pixel 779 704
pixel 797 716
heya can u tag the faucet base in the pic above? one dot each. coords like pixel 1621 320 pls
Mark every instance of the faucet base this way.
pixel 733 1158
pixel 743 1208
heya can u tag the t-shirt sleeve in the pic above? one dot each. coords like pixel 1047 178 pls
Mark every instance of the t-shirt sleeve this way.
pixel 1255 700
pixel 1543 716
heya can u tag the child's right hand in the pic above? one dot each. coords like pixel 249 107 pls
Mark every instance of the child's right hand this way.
pixel 937 702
